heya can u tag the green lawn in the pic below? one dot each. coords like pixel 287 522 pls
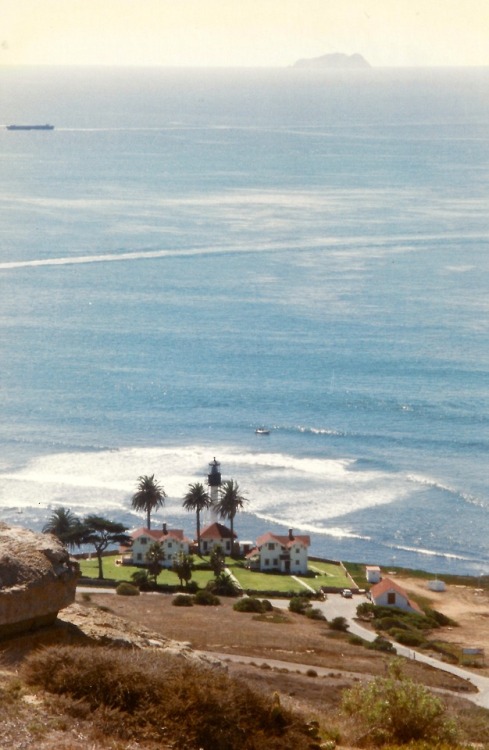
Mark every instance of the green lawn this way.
pixel 265 581
pixel 330 575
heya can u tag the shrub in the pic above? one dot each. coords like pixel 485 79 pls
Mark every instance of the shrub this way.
pixel 439 617
pixel 249 604
pixel 355 640
pixel 266 605
pixel 314 613
pixel 339 623
pixel 182 600
pixel 127 589
pixel 387 623
pixel 365 610
pixel 147 697
pixel 299 604
pixel 223 585
pixel 206 598
pixel 382 644
pixel 398 710
pixel 408 637
pixel 140 578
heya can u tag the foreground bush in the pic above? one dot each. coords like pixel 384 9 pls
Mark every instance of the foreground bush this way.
pixel 127 589
pixel 182 600
pixel 223 585
pixel 397 710
pixel 206 598
pixel 249 604
pixel 138 695
pixel 299 604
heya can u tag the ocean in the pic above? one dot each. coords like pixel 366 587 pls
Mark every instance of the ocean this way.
pixel 192 254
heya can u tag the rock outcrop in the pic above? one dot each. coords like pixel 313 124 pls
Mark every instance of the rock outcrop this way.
pixel 37 579
pixel 89 623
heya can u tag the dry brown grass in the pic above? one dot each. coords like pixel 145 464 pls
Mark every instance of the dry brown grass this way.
pixel 45 723
pixel 143 695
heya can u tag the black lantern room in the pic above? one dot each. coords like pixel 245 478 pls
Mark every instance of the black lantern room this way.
pixel 214 475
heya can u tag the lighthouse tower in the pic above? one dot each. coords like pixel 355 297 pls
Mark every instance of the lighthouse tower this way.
pixel 214 482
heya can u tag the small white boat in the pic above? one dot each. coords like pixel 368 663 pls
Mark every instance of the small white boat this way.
pixel 262 431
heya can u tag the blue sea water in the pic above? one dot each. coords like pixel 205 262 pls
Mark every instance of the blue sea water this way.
pixel 192 254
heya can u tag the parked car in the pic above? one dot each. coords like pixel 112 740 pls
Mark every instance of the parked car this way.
pixel 347 593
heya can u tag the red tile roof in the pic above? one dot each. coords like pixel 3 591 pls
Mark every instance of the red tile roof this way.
pixel 160 536
pixel 217 531
pixel 284 539
pixel 385 585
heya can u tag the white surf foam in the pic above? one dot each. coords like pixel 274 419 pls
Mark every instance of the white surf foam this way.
pixel 284 488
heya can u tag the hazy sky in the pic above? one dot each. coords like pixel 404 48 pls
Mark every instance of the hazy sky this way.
pixel 242 32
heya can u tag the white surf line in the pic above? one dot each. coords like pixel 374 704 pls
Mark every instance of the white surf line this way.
pixel 152 254
pixel 303 583
pixel 331 242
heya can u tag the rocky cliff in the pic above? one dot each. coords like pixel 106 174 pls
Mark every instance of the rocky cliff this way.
pixel 37 579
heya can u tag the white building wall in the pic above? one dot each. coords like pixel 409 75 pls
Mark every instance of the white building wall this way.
pixel 399 601
pixel 171 547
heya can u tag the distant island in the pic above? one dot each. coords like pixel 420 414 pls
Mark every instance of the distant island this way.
pixel 334 61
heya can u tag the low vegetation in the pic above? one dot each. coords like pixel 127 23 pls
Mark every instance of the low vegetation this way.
pixel 398 710
pixel 139 696
pixel 250 604
pixel 410 629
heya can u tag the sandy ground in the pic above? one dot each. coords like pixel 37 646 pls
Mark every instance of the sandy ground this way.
pixel 467 606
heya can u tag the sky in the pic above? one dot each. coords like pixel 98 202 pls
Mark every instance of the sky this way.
pixel 237 33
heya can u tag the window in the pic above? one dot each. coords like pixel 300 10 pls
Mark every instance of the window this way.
pixel 267 561
pixel 169 545
pixel 139 556
pixel 391 597
pixel 271 546
pixel 275 561
pixel 144 540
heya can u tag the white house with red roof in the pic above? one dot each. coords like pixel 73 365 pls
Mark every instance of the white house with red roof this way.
pixel 283 553
pixel 173 542
pixel 389 594
pixel 217 535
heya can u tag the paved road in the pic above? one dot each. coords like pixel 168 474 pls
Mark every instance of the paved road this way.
pixel 338 606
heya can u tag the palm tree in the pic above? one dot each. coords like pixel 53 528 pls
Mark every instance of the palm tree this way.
pixel 197 499
pixel 149 496
pixel 65 526
pixel 230 501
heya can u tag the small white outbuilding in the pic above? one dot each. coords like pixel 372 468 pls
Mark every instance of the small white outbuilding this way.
pixel 372 573
pixel 437 585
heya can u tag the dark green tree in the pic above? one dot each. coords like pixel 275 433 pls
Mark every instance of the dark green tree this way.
pixel 182 566
pixel 148 497
pixel 197 499
pixel 154 557
pixel 102 533
pixel 217 560
pixel 65 526
pixel 230 501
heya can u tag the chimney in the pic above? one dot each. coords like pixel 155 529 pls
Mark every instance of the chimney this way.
pixel 291 536
pixel 164 529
